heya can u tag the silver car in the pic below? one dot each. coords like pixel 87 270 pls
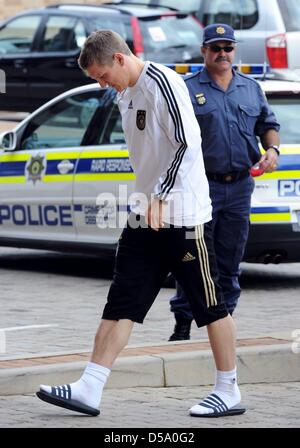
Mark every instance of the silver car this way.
pixel 267 30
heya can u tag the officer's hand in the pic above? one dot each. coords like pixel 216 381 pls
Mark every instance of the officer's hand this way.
pixel 269 161
pixel 154 214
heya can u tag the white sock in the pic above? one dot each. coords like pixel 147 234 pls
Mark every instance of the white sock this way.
pixel 226 389
pixel 88 389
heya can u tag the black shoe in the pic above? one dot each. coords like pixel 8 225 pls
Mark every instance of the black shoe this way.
pixel 182 329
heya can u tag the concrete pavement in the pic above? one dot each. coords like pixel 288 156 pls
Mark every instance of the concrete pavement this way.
pixel 155 376
pixel 176 364
pixel 269 405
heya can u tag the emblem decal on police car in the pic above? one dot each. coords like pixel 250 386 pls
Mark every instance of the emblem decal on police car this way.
pixel 35 168
pixel 141 119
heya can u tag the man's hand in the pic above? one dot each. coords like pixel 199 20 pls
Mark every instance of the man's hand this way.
pixel 269 161
pixel 154 214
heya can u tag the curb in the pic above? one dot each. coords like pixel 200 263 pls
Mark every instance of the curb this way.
pixel 256 364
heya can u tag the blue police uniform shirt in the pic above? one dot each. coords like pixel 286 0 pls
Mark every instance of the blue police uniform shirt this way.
pixel 230 121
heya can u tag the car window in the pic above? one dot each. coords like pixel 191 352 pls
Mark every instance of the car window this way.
pixel 170 31
pixel 64 124
pixel 113 133
pixel 17 36
pixel 240 14
pixel 111 23
pixel 185 6
pixel 80 34
pixel 59 34
pixel 287 111
pixel 290 11
pixel 180 5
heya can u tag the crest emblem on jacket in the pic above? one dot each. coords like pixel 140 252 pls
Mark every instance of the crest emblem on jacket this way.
pixel 141 119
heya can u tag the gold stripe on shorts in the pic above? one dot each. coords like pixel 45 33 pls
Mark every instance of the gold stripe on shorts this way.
pixel 209 285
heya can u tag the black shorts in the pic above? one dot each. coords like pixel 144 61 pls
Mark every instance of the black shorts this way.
pixel 145 257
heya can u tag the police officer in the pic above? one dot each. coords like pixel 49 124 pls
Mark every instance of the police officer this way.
pixel 232 111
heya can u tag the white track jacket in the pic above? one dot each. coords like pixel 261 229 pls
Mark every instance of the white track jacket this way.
pixel 164 142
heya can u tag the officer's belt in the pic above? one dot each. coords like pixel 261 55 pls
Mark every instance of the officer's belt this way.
pixel 227 178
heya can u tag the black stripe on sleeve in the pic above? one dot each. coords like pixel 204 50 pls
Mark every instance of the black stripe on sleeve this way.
pixel 163 83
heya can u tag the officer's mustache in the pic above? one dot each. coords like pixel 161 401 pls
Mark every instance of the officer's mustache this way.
pixel 222 58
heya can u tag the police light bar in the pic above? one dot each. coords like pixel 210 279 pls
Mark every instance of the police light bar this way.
pixel 257 70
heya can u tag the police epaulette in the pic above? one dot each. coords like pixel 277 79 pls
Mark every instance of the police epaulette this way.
pixel 246 76
pixel 192 75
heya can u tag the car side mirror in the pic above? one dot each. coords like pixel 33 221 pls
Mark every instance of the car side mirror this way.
pixel 8 141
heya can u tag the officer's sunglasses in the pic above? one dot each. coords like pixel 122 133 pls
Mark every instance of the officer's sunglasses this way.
pixel 217 48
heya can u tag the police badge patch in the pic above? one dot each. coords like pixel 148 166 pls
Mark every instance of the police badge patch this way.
pixel 220 30
pixel 141 119
pixel 200 98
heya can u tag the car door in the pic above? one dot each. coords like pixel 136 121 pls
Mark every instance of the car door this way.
pixel 16 42
pixel 54 67
pixel 37 178
pixel 276 198
pixel 103 179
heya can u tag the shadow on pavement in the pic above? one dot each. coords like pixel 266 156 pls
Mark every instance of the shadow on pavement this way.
pixel 60 264
pixel 254 276
pixel 270 277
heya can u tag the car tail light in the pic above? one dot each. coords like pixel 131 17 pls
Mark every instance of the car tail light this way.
pixel 138 44
pixel 277 51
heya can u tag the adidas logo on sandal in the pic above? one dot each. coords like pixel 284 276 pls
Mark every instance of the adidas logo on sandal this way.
pixel 188 257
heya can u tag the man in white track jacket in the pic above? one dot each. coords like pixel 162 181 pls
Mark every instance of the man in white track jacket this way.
pixel 165 231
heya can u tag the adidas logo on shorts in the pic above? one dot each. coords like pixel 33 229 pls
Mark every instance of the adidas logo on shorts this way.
pixel 188 257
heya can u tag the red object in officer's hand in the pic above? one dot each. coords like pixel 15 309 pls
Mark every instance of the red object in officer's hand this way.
pixel 258 169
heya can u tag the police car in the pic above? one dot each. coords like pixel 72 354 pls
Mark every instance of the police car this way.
pixel 275 207
pixel 66 179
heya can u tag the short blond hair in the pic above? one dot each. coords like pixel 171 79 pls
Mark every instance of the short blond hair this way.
pixel 100 47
